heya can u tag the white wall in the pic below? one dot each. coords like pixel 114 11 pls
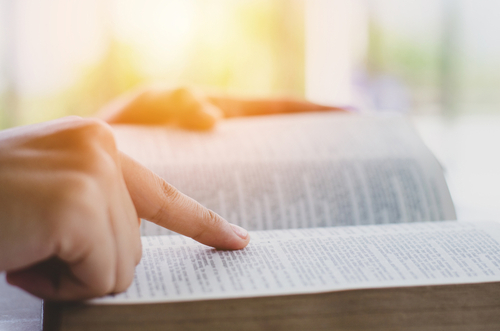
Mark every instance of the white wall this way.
pixel 336 34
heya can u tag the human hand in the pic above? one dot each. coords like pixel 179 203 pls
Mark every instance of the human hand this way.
pixel 69 208
pixel 193 110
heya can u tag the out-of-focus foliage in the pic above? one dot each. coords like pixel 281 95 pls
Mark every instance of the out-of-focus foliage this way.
pixel 442 56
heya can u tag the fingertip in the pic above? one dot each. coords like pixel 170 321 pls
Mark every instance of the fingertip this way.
pixel 242 234
pixel 212 230
pixel 232 237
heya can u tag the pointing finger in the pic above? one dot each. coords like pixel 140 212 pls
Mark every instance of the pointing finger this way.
pixel 163 204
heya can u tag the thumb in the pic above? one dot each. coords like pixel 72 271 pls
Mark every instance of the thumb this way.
pixel 161 203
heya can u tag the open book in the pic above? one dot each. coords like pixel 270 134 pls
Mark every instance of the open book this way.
pixel 319 191
pixel 299 171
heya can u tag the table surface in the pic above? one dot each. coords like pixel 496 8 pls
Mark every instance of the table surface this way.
pixel 467 147
pixel 19 311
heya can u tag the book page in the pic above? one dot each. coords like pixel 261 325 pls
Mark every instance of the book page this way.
pixel 296 171
pixel 284 262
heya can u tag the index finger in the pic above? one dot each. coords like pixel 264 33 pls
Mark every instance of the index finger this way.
pixel 159 202
pixel 232 107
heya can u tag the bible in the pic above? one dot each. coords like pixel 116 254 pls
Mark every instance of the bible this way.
pixel 346 217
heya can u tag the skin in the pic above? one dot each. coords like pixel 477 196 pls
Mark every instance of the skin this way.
pixel 193 110
pixel 70 202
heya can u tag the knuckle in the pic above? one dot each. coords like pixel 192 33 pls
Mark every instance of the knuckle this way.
pixel 210 221
pixel 105 285
pixel 125 280
pixel 90 133
pixel 77 138
pixel 170 197
pixel 169 191
pixel 96 130
pixel 93 147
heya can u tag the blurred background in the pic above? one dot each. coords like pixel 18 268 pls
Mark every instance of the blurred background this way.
pixel 436 60
pixel 421 56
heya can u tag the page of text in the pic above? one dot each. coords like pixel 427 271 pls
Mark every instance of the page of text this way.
pixel 283 262
pixel 297 171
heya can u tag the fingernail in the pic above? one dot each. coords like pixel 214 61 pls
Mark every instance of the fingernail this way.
pixel 242 233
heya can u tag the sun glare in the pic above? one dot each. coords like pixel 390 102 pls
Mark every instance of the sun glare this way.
pixel 71 57
pixel 161 31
